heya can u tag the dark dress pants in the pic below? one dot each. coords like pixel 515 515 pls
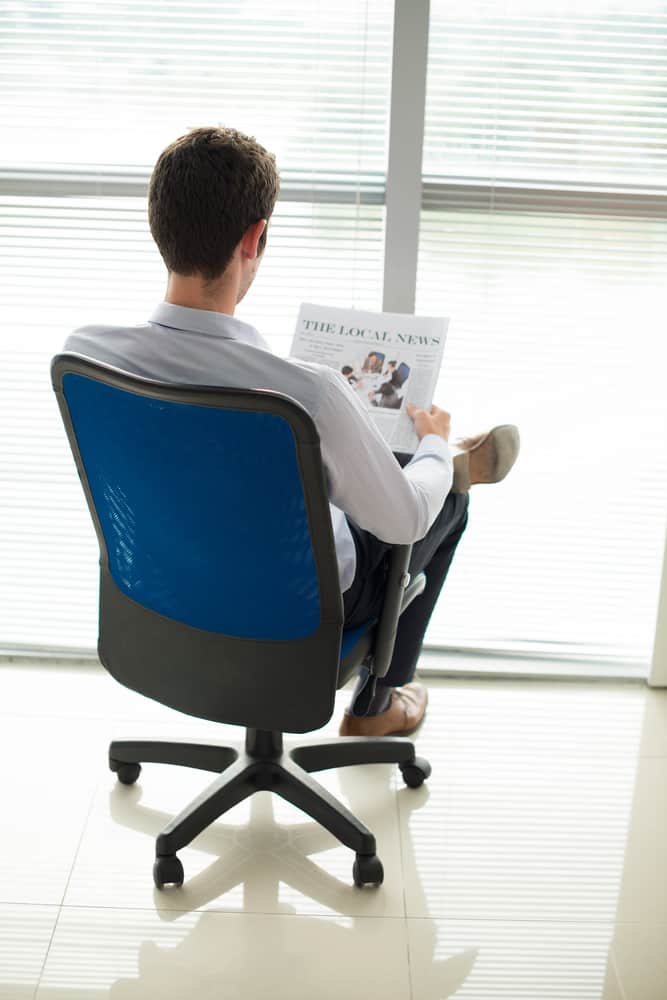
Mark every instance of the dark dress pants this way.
pixel 433 554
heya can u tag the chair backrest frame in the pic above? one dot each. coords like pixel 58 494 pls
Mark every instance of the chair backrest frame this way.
pixel 286 685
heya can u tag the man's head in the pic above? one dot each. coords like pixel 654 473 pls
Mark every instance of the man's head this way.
pixel 210 190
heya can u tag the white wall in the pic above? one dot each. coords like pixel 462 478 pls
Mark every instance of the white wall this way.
pixel 658 674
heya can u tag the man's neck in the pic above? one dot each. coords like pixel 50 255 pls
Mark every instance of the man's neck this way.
pixel 194 293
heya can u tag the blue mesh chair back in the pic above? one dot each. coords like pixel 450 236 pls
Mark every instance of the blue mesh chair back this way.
pixel 202 510
pixel 214 552
pixel 401 374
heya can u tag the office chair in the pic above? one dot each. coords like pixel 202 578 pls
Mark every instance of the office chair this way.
pixel 219 591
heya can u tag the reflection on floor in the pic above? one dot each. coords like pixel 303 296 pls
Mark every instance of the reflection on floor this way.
pixel 533 865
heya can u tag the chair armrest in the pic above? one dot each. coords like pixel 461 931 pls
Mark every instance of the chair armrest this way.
pixel 399 592
pixel 414 588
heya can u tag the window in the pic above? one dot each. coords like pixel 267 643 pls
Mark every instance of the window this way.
pixel 542 236
pixel 92 93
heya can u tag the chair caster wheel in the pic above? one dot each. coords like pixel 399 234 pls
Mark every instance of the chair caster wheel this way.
pixel 367 870
pixel 168 870
pixel 126 773
pixel 416 773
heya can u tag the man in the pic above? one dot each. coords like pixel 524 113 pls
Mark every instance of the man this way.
pixel 386 397
pixel 373 364
pixel 348 372
pixel 211 195
pixel 399 374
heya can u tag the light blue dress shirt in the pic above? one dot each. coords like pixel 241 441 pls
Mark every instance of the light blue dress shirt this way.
pixel 198 347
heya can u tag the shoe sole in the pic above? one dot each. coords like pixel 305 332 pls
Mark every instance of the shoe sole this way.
pixel 507 443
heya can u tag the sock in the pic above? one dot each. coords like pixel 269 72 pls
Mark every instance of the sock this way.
pixel 381 700
pixel 369 698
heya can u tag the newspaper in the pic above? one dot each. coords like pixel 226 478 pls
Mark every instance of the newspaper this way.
pixel 389 359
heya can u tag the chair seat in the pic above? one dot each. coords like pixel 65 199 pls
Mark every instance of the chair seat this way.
pixel 356 644
pixel 352 636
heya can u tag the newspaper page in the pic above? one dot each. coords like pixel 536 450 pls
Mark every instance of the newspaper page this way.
pixel 389 359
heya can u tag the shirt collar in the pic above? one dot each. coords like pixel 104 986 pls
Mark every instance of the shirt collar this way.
pixel 207 322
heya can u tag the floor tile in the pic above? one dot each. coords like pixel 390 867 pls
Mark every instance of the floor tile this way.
pixel 519 820
pixel 518 719
pixel 520 960
pixel 25 933
pixel 136 954
pixel 643 889
pixel 507 839
pixel 46 690
pixel 526 813
pixel 264 856
pixel 47 780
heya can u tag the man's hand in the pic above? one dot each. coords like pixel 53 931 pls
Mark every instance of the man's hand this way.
pixel 436 422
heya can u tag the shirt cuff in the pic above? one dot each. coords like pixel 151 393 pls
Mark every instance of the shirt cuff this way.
pixel 433 444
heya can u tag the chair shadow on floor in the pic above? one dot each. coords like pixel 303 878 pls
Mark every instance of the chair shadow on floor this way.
pixel 271 862
pixel 259 855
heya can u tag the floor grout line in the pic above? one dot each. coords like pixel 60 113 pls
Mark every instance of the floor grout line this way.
pixel 61 905
pixel 397 805
pixel 306 915
pixel 614 966
pixel 434 918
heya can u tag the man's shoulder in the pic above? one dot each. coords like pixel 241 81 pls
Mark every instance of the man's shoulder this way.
pixel 101 333
pixel 112 344
pixel 317 371
pixel 205 360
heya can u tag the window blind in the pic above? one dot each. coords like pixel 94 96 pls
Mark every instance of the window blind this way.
pixel 108 84
pixel 544 237
pixel 91 94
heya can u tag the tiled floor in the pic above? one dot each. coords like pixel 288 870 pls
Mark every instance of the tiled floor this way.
pixel 532 866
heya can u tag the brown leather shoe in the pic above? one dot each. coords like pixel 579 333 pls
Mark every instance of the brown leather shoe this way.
pixel 485 458
pixel 405 713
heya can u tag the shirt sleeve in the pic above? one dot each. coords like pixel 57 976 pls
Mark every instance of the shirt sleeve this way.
pixel 396 505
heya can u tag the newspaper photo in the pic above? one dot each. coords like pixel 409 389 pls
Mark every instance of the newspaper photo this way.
pixel 389 359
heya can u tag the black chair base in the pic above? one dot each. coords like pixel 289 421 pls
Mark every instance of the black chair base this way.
pixel 265 766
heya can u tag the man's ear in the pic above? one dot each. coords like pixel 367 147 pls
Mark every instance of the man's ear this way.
pixel 251 237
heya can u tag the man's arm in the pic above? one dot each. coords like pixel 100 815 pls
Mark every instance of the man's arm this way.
pixel 365 481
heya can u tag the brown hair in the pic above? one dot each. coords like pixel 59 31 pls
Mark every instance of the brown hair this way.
pixel 206 189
